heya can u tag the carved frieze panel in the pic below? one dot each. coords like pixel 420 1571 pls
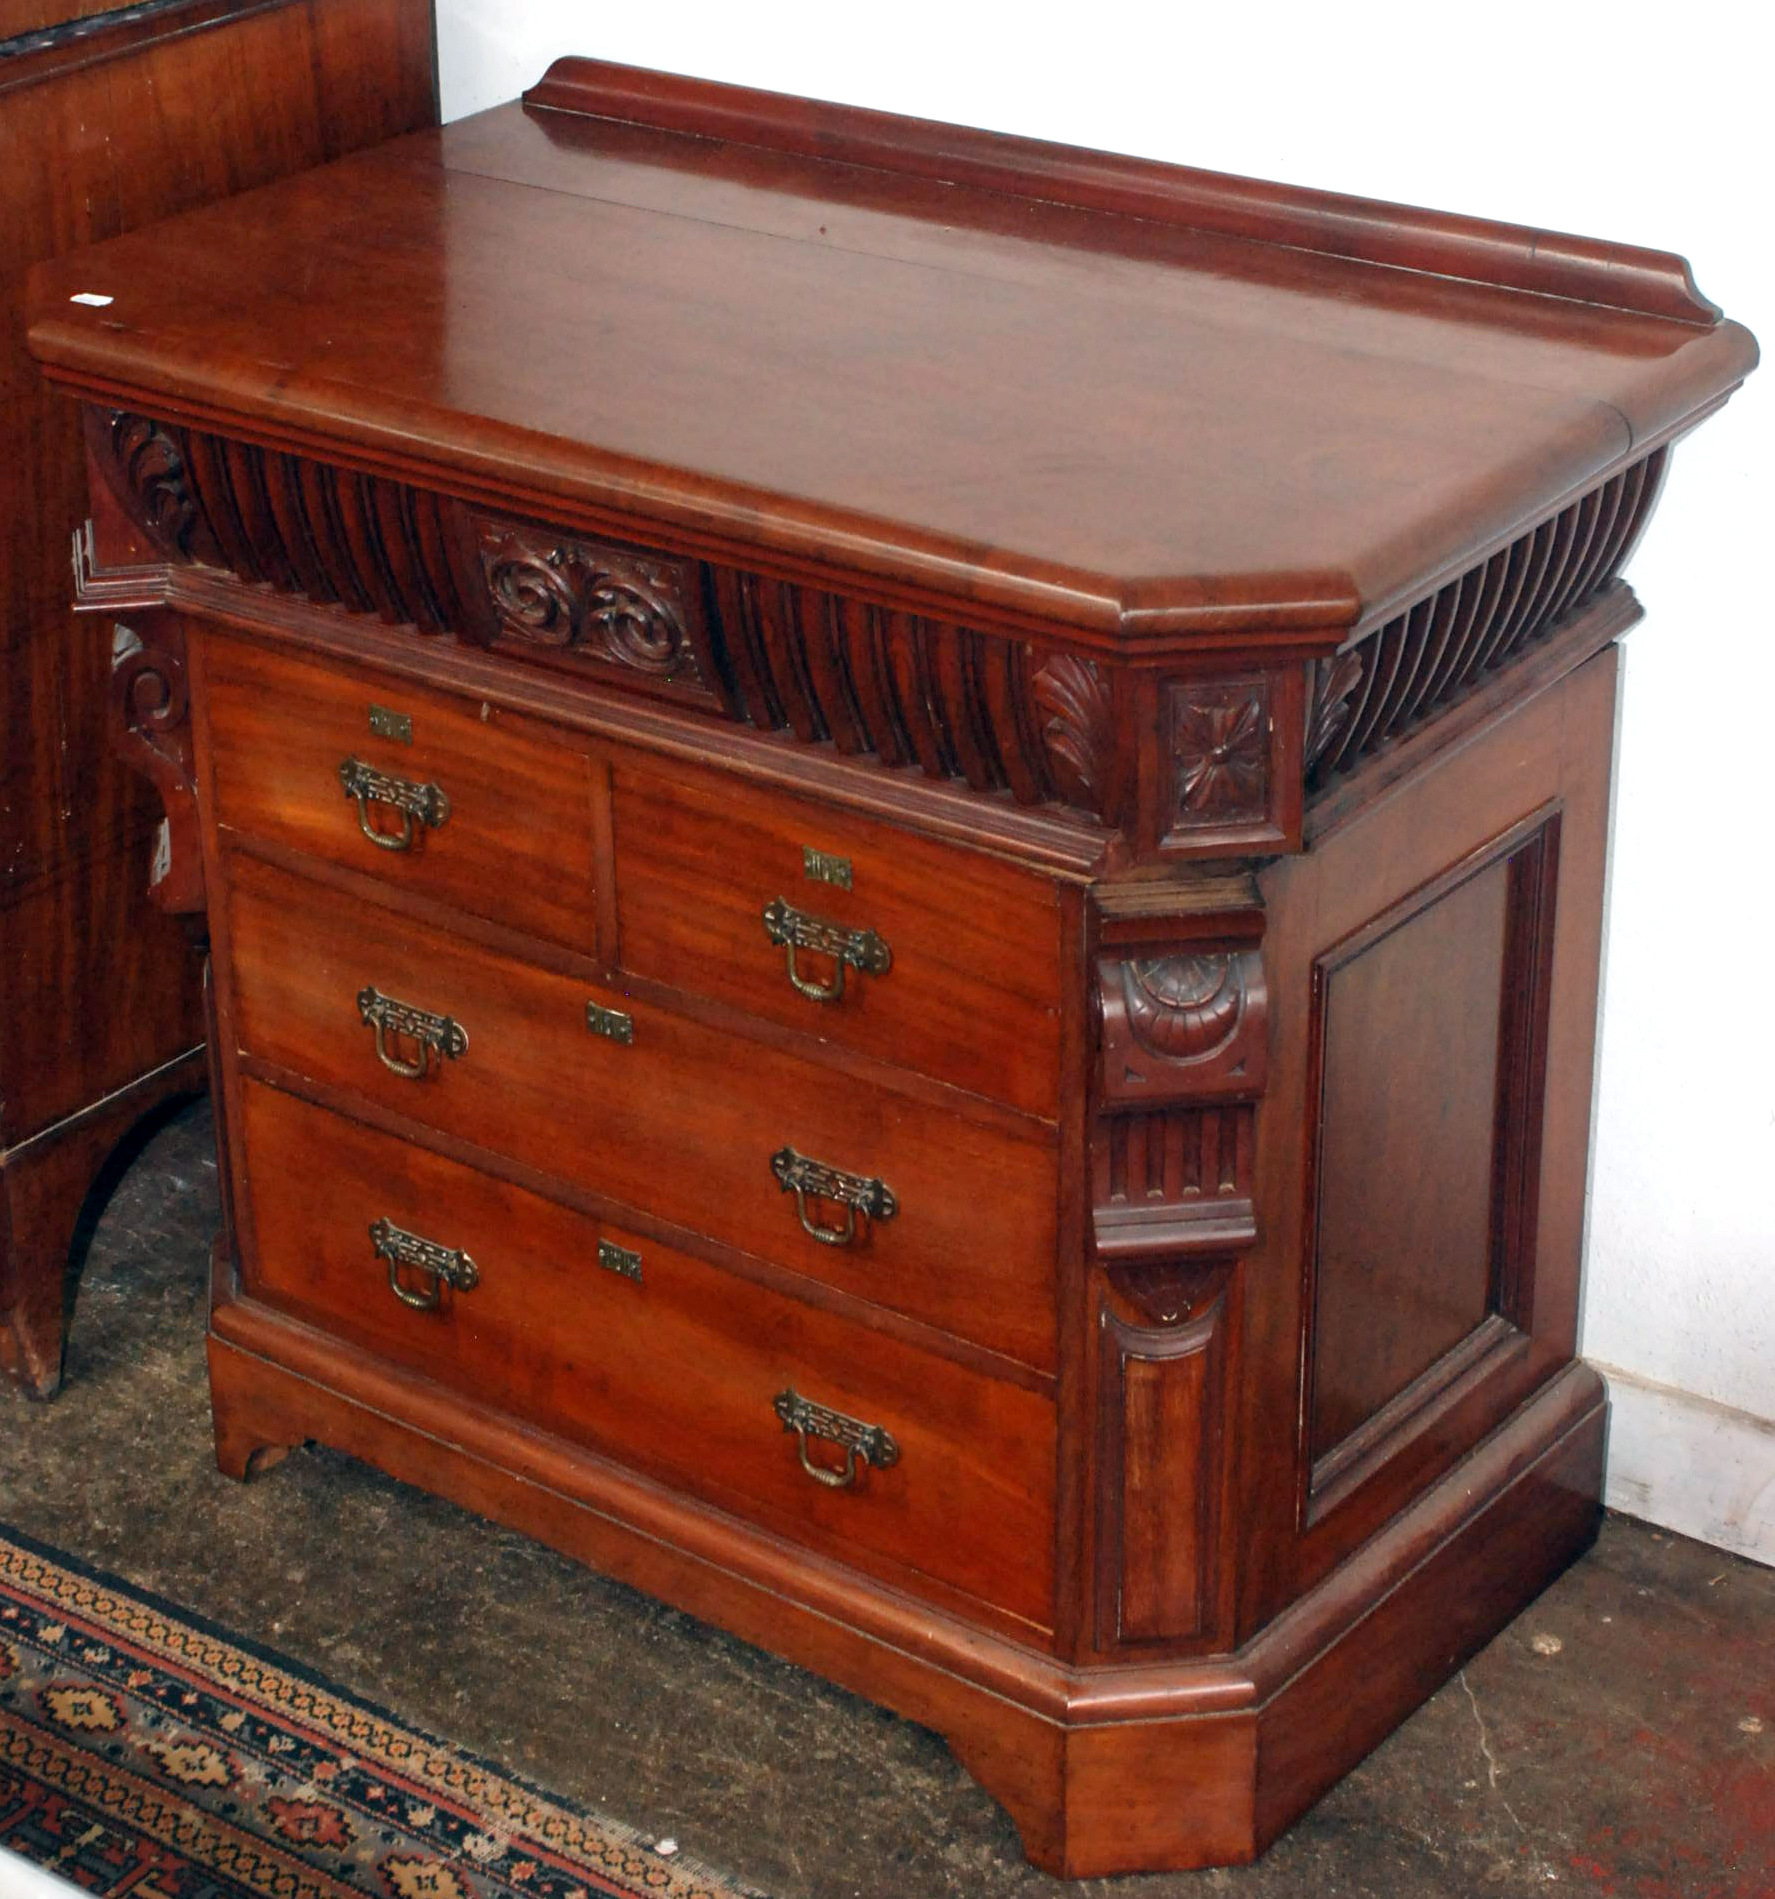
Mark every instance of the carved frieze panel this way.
pixel 597 605
pixel 1446 645
pixel 1202 765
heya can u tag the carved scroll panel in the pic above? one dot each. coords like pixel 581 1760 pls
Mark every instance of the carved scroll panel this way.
pixel 150 729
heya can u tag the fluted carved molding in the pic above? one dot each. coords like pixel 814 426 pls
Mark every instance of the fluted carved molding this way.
pixel 1445 645
pixel 1003 715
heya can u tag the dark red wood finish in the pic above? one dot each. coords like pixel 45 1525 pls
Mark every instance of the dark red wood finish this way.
pixel 1074 697
pixel 105 125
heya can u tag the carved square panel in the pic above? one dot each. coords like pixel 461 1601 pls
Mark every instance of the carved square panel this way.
pixel 1220 749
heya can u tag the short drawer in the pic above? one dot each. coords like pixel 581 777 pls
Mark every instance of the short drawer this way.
pixel 656 1358
pixel 933 957
pixel 430 794
pixel 936 1216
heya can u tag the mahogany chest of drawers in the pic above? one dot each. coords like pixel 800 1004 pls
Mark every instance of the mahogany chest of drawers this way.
pixel 904 838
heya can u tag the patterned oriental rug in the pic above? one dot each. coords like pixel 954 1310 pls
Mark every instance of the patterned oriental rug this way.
pixel 142 1751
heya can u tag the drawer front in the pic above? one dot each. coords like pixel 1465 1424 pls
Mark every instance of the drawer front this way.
pixel 661 1360
pixel 932 957
pixel 655 1111
pixel 463 809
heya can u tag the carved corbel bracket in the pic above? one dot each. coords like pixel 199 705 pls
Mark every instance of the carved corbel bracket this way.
pixel 1183 1055
pixel 1184 1025
pixel 151 732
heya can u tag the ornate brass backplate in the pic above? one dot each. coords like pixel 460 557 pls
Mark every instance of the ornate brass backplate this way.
pixel 440 1266
pixel 796 930
pixel 857 1193
pixel 419 805
pixel 439 1035
pixel 861 1443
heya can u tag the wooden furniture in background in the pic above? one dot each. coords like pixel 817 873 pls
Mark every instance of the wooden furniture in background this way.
pixel 905 839
pixel 110 119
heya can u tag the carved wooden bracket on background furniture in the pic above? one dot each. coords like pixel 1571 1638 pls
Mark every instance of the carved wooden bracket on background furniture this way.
pixel 1213 764
pixel 151 731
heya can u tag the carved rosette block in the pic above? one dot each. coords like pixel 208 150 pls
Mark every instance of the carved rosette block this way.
pixel 1220 741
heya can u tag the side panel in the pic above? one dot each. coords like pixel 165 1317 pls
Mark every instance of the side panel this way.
pixel 1423 1145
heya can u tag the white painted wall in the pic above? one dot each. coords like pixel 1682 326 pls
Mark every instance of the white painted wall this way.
pixel 1615 120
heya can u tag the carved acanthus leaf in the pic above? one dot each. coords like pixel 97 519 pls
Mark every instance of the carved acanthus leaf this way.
pixel 1078 731
pixel 1334 680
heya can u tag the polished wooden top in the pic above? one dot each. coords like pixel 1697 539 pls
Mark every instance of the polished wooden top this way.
pixel 1073 388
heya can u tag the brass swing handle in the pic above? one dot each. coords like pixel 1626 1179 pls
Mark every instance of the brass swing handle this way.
pixel 814 1180
pixel 417 804
pixel 439 1035
pixel 441 1266
pixel 861 1443
pixel 795 930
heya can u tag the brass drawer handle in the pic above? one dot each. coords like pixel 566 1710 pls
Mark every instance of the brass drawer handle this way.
pixel 439 1035
pixel 440 1266
pixel 795 930
pixel 869 1443
pixel 814 1180
pixel 418 804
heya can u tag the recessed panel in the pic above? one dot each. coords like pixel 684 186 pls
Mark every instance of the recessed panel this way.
pixel 1405 1267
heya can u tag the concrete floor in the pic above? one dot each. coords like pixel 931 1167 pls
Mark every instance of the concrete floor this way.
pixel 1619 1739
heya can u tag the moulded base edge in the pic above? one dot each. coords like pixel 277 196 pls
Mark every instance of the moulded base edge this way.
pixel 1112 1769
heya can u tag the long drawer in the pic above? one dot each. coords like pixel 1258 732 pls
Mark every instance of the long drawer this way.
pixel 933 957
pixel 934 1216
pixel 661 1360
pixel 434 795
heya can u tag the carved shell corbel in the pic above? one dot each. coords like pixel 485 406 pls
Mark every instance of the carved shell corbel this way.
pixel 1183 1007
